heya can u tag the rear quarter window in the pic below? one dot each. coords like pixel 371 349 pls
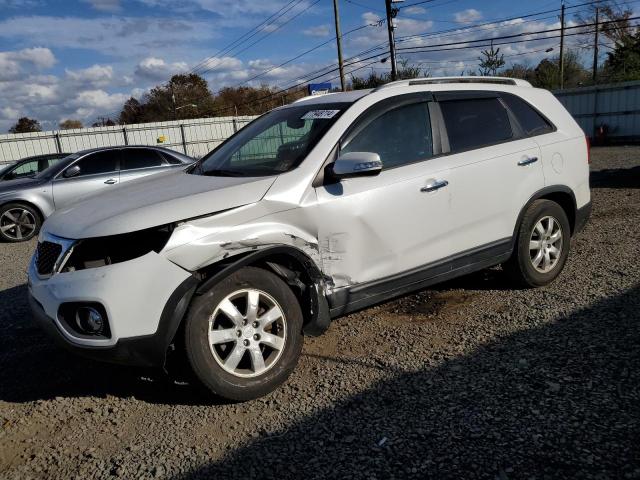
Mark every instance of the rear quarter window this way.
pixel 476 122
pixel 529 119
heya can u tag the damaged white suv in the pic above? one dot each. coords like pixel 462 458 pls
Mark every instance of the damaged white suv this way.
pixel 312 211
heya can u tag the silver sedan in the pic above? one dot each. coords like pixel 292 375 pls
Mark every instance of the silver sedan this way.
pixel 26 202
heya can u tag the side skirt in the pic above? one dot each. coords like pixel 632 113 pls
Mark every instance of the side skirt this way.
pixel 351 299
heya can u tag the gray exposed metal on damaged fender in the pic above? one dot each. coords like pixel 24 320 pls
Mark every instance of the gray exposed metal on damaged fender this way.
pixel 317 319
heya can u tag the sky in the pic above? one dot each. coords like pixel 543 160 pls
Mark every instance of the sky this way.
pixel 83 59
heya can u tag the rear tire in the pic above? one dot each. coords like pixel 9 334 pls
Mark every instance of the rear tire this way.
pixel 243 337
pixel 542 245
pixel 19 222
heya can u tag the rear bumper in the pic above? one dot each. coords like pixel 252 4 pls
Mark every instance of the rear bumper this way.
pixel 582 217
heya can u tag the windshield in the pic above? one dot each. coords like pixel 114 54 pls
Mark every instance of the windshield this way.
pixel 272 144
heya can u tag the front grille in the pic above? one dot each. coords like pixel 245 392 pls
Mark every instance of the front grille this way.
pixel 46 256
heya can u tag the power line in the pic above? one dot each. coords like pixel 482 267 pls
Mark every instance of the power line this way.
pixel 248 34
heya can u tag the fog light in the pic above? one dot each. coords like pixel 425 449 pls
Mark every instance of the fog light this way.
pixel 89 321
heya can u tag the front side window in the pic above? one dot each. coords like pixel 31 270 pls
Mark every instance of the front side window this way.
pixel 274 143
pixel 133 158
pixel 475 123
pixel 529 119
pixel 99 162
pixel 400 136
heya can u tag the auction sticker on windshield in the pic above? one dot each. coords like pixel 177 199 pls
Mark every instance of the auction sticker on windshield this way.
pixel 319 114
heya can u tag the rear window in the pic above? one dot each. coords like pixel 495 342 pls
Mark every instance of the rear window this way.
pixel 474 123
pixel 529 119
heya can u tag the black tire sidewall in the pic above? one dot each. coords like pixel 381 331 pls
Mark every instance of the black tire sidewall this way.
pixel 536 211
pixel 205 367
pixel 31 210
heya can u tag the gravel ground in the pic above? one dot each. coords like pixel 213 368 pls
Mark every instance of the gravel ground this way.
pixel 473 379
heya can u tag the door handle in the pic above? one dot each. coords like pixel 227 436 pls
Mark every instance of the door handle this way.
pixel 527 161
pixel 434 185
pixel 111 181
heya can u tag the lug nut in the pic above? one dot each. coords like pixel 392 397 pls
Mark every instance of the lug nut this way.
pixel 256 324
pixel 246 343
pixel 239 333
pixel 256 337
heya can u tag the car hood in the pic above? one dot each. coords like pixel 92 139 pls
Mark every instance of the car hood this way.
pixel 7 186
pixel 155 200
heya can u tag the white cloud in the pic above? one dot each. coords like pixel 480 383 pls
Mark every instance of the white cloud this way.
pixel 97 75
pixel 157 69
pixel 111 6
pixel 13 64
pixel 317 31
pixel 414 10
pixel 120 37
pixel 467 16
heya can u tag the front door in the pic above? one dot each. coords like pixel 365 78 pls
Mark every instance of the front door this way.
pixel 98 171
pixel 372 228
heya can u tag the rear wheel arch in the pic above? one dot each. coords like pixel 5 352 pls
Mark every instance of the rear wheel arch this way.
pixel 560 194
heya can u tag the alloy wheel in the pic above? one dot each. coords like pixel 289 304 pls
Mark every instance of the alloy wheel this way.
pixel 545 244
pixel 17 223
pixel 247 332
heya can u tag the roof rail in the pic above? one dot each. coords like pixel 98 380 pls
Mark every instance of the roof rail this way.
pixel 468 79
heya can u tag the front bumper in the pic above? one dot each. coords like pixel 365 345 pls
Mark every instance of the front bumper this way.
pixel 144 299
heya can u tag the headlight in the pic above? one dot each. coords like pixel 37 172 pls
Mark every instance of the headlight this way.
pixel 100 251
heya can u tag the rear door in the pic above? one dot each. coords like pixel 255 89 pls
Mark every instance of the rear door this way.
pixel 139 162
pixel 495 169
pixel 98 171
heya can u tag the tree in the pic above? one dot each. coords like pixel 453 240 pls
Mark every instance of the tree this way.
pixel 405 72
pixel 132 112
pixel 522 71
pixel 623 63
pixel 26 125
pixel 104 122
pixel 69 124
pixel 184 96
pixel 491 61
pixel 618 26
pixel 547 72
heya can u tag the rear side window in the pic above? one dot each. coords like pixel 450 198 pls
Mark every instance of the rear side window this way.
pixel 399 136
pixel 133 158
pixel 529 119
pixel 474 123
pixel 99 162
pixel 170 158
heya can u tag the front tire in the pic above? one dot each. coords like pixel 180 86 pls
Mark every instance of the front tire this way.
pixel 542 245
pixel 19 222
pixel 243 337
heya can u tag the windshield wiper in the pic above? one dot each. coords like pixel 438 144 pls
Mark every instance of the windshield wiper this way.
pixel 221 172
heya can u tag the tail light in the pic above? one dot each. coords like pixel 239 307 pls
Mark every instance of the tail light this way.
pixel 588 140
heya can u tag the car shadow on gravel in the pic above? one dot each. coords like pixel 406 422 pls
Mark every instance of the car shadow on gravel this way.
pixel 32 367
pixel 616 178
pixel 555 401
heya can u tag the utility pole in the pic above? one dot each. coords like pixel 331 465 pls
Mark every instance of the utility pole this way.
pixel 562 45
pixel 595 48
pixel 339 42
pixel 391 13
pixel 173 100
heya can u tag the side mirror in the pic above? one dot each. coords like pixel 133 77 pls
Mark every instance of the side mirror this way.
pixel 10 176
pixel 357 164
pixel 71 171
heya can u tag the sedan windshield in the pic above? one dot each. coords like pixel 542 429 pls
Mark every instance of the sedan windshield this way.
pixel 274 143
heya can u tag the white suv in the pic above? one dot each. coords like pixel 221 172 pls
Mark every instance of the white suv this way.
pixel 312 211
